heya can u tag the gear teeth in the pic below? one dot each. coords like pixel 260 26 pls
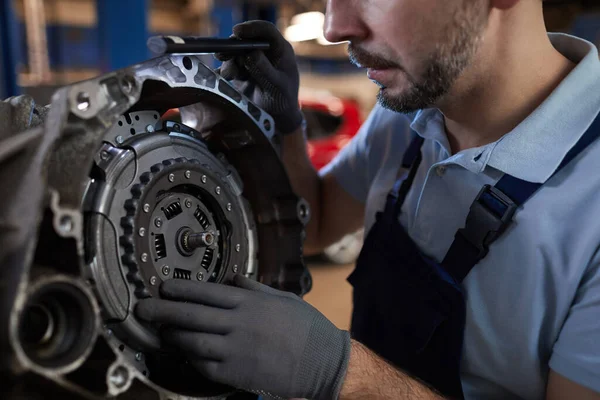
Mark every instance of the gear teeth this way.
pixel 136 190
pixel 131 206
pixel 129 260
pixel 168 163
pixel 127 242
pixel 146 177
pixel 127 224
pixel 156 168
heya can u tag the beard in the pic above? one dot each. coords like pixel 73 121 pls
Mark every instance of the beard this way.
pixel 441 68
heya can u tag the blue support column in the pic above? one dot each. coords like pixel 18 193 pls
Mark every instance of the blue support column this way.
pixel 122 32
pixel 10 50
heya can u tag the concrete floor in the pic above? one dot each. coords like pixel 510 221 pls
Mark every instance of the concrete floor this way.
pixel 331 293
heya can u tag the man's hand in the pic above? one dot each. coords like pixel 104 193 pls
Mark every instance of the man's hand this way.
pixel 252 337
pixel 271 78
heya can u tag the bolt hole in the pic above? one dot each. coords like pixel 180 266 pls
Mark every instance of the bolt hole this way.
pixel 145 373
pixel 83 101
pixel 137 117
pixel 127 83
pixel 267 124
pixel 122 348
pixel 132 131
pixel 187 63
pixel 120 123
pixel 155 116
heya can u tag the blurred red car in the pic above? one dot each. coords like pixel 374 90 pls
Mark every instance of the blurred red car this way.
pixel 331 123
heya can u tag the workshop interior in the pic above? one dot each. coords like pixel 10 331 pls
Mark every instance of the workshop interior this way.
pixel 123 168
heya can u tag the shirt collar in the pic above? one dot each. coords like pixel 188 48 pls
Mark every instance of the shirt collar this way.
pixel 535 148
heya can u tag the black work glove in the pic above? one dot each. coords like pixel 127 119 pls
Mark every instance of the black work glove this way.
pixel 252 337
pixel 270 79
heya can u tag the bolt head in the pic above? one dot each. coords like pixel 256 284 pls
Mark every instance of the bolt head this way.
pixel 188 203
pixel 171 177
pixel 109 332
pixel 203 178
pixel 166 270
pixel 158 222
pixel 142 232
pixel 188 174
pixel 119 139
pixel 104 155
pixel 138 356
pixel 235 269
pixel 153 280
pixel 218 190
pixel 200 276
pixel 146 207
pixel 228 206
pixel 238 247
pixel 150 128
pixel 66 223
pixel 144 257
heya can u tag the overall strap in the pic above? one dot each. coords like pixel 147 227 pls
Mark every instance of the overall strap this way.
pixel 410 160
pixel 492 210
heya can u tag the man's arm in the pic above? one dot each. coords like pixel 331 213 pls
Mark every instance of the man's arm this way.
pixel 371 377
pixel 560 387
pixel 334 212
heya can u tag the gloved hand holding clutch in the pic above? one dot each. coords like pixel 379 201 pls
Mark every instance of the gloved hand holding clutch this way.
pixel 252 337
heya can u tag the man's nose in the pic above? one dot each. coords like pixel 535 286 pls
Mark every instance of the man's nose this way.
pixel 343 21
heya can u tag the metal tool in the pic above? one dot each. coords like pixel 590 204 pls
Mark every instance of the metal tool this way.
pixel 197 45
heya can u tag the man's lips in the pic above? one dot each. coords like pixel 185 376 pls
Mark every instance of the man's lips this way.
pixel 379 74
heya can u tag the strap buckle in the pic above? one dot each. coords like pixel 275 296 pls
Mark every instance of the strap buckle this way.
pixel 489 215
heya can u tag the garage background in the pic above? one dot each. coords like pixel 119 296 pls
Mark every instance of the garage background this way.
pixel 48 43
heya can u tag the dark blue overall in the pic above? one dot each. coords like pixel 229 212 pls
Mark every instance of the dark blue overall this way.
pixel 410 309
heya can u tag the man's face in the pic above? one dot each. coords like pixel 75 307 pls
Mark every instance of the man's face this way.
pixel 413 49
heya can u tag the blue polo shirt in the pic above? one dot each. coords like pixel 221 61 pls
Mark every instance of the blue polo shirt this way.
pixel 534 302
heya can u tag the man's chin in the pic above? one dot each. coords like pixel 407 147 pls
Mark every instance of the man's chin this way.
pixel 397 102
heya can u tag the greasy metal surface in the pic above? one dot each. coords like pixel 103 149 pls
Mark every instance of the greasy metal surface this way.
pixel 59 198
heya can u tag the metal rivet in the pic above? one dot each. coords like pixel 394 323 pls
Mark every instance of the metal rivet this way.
pixel 218 190
pixel 66 223
pixel 120 139
pixel 200 276
pixel 238 247
pixel 153 280
pixel 228 206
pixel 150 128
pixel 235 269
pixel 214 274
pixel 166 270
pixel 188 203
pixel 203 178
pixel 188 174
pixel 104 155
pixel 171 177
pixel 158 222
pixel 109 332
pixel 119 377
pixel 138 356
pixel 146 207
pixel 142 232
pixel 144 257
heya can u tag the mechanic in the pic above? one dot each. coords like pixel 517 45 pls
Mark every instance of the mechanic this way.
pixel 484 136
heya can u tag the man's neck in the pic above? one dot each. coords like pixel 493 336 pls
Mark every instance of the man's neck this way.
pixel 520 70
